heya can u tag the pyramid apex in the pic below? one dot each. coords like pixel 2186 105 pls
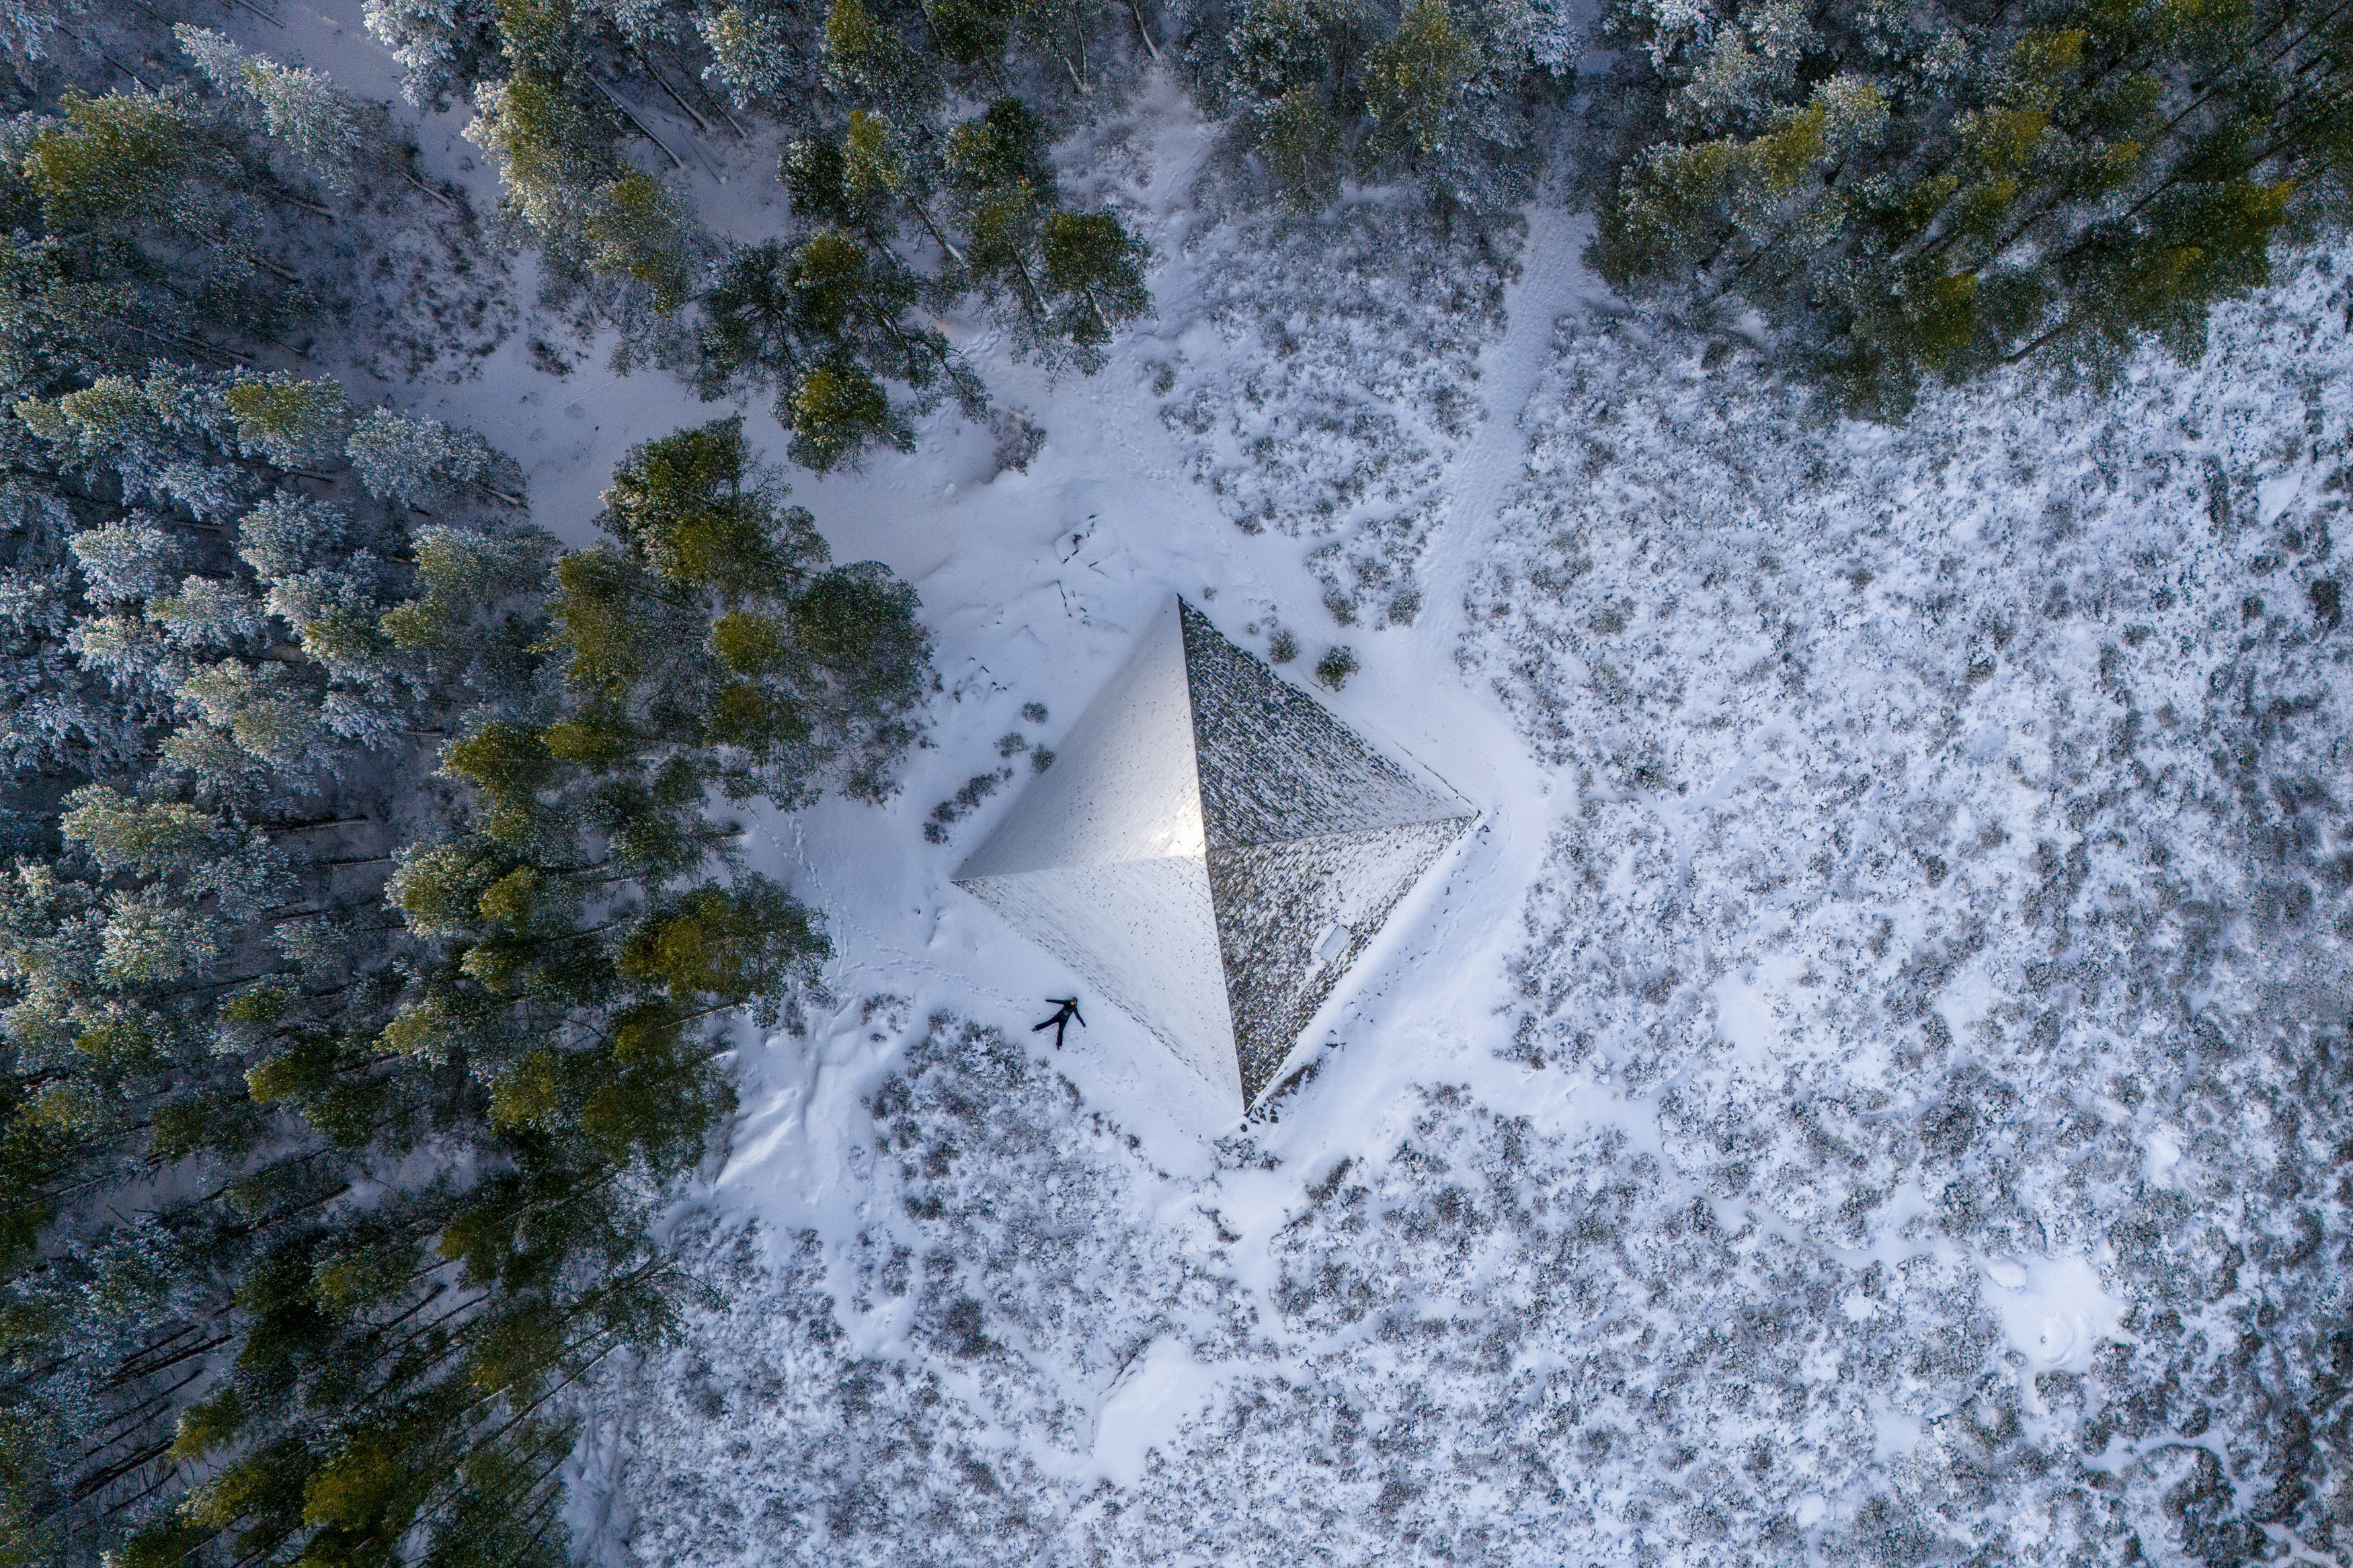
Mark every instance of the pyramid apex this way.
pixel 1275 765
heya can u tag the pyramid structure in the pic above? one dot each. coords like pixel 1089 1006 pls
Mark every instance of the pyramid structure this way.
pixel 1211 850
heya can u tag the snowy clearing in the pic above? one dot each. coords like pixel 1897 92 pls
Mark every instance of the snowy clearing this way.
pixel 1871 1087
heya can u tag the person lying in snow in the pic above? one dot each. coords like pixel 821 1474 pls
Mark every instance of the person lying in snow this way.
pixel 1065 1009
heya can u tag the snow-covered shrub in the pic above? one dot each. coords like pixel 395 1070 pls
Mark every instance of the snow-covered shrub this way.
pixel 1347 386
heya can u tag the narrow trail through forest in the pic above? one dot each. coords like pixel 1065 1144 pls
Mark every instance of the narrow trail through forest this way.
pixel 1554 280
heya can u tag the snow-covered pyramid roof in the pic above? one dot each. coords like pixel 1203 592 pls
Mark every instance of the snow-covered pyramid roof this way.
pixel 1211 850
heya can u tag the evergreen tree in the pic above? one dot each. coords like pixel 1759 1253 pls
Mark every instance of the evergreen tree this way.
pixel 710 636
pixel 895 221
pixel 1300 139
pixel 1414 81
pixel 318 121
pixel 1940 191
pixel 1455 94
pixel 335 1102
pixel 825 323
pixel 1067 280
pixel 192 985
pixel 417 463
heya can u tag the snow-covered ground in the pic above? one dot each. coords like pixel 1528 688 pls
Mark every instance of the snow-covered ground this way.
pixel 1873 1089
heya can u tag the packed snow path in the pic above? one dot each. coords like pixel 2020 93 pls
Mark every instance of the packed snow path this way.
pixel 1553 282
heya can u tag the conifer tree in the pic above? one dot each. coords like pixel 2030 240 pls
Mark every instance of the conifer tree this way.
pixel 189 982
pixel 1942 191
pixel 335 1100
pixel 1453 94
pixel 1414 81
pixel 318 121
pixel 1300 139
pixel 893 223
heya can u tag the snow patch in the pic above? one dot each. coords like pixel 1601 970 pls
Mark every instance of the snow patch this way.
pixel 1160 1392
pixel 2054 1311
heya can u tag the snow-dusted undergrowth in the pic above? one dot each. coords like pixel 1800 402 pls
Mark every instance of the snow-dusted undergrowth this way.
pixel 1938 985
pixel 1335 378
pixel 1961 866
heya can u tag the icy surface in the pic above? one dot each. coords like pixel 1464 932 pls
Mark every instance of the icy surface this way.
pixel 1122 785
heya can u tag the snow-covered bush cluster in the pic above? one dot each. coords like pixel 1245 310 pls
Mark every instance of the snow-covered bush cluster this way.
pixel 1936 997
pixel 1344 378
pixel 928 1394
pixel 1963 865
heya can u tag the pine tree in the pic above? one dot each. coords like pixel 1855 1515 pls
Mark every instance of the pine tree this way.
pixel 112 157
pixel 319 121
pixel 896 222
pixel 551 145
pixel 26 26
pixel 756 674
pixel 1067 280
pixel 825 323
pixel 1414 81
pixel 636 229
pixel 1300 141
pixel 419 463
pixel 223 697
pixel 1455 94
pixel 291 423
pixel 1943 192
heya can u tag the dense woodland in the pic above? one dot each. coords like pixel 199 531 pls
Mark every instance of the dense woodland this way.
pixel 369 927
pixel 371 921
pixel 1942 189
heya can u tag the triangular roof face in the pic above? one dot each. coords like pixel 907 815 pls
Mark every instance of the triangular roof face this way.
pixel 1211 850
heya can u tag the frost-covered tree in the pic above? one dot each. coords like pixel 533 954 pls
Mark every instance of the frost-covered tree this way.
pixel 443 45
pixel 638 229
pixel 1457 95
pixel 827 322
pixel 833 316
pixel 411 462
pixel 708 643
pixel 26 26
pixel 1300 138
pixel 1941 190
pixel 230 699
pixel 144 222
pixel 317 120
pixel 228 671
pixel 366 935
pixel 712 631
pixel 293 423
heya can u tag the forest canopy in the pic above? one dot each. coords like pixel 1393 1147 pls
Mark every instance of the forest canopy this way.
pixel 1939 190
pixel 1885 195
pixel 368 933
pixel 918 159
